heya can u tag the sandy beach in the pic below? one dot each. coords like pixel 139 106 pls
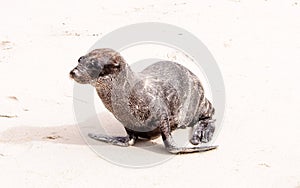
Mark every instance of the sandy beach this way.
pixel 255 43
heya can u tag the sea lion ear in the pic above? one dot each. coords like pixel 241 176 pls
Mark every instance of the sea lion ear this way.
pixel 117 60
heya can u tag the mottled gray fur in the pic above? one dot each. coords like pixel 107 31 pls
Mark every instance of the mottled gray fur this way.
pixel 163 97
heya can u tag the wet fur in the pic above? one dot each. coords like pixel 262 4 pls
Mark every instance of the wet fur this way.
pixel 149 115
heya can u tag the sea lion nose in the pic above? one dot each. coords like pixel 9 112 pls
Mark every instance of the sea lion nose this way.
pixel 72 73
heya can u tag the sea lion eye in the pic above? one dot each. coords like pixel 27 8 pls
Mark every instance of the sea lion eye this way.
pixel 80 59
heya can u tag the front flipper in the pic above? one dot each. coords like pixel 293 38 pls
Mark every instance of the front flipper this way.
pixel 172 148
pixel 115 140
pixel 170 143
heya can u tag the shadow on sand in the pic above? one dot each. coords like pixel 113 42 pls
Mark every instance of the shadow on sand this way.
pixel 77 134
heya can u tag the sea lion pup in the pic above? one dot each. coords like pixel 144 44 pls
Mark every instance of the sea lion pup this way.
pixel 163 97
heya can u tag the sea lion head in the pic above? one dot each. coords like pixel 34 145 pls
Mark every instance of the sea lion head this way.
pixel 97 63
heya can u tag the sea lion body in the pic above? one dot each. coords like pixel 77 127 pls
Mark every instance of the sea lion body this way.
pixel 161 98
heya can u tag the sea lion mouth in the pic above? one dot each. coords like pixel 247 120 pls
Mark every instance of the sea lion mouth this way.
pixel 77 76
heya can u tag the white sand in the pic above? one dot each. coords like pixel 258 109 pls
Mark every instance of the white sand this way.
pixel 256 44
